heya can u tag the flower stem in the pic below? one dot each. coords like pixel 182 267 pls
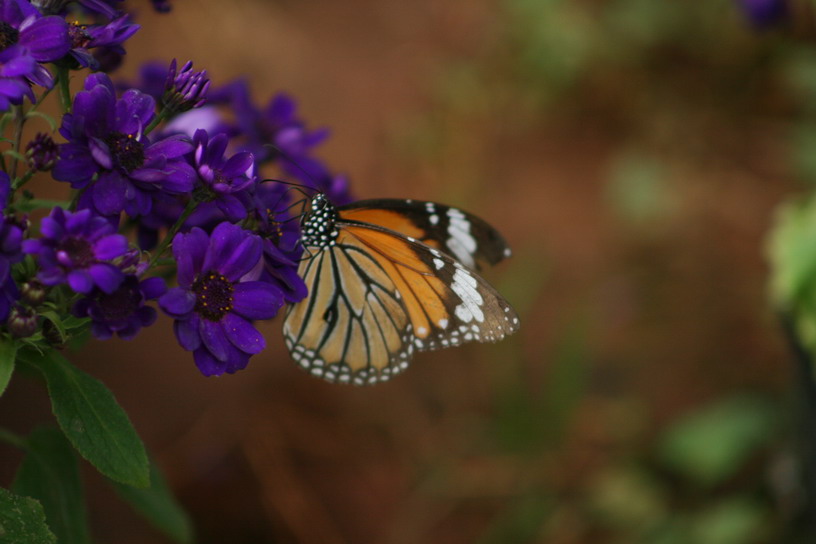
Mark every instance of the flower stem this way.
pixel 172 232
pixel 22 180
pixel 19 121
pixel 12 438
pixel 155 122
pixel 64 87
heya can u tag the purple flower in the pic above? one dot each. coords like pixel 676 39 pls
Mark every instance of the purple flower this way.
pixel 124 311
pixel 46 38
pixel 16 67
pixel 42 152
pixel 77 249
pixel 764 13
pixel 184 90
pixel 9 294
pixel 218 297
pixel 103 7
pixel 11 234
pixel 277 124
pixel 105 138
pixel 280 231
pixel 110 36
pixel 227 181
pixel 280 270
pixel 162 6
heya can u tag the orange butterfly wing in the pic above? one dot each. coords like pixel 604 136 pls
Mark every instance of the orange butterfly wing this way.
pixel 378 295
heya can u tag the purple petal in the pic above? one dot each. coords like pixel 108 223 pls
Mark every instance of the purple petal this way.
pixel 178 302
pixel 256 300
pixel 171 148
pixel 187 334
pixel 134 111
pixel 106 276
pixel 189 251
pixel 239 164
pixel 20 64
pixel 110 247
pixel 237 360
pixel 243 334
pixel 109 193
pixel 153 288
pixel 241 258
pixel 80 281
pixel 75 165
pixel 214 338
pixel 101 153
pixel 207 364
pixel 224 239
pixel 46 38
pixel 232 207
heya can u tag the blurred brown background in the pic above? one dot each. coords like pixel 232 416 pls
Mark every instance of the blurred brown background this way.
pixel 632 152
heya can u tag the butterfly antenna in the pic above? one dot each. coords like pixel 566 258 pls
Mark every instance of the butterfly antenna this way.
pixel 289 158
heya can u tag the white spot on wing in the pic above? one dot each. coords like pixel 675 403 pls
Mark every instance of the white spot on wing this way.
pixel 461 242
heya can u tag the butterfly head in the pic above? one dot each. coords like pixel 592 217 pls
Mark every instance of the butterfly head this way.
pixel 319 224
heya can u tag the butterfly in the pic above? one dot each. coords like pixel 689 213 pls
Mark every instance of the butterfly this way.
pixel 389 277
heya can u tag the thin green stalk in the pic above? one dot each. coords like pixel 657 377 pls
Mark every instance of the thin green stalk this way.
pixel 22 180
pixel 155 122
pixel 19 121
pixel 172 232
pixel 64 87
pixel 13 439
pixel 26 206
pixel 40 100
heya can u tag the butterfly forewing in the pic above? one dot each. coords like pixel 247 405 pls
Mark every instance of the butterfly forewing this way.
pixel 447 303
pixel 471 240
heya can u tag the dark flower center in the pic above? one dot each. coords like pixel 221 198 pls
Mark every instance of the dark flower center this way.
pixel 8 35
pixel 127 151
pixel 79 250
pixel 79 36
pixel 213 295
pixel 121 304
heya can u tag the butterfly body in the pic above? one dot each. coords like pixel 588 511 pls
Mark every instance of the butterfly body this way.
pixel 387 278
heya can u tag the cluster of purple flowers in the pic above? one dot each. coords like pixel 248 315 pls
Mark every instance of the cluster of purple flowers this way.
pixel 164 163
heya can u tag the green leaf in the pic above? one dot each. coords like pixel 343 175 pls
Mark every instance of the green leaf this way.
pixel 50 474
pixel 92 420
pixel 22 520
pixel 157 504
pixel 15 154
pixel 50 120
pixel 711 444
pixel 734 521
pixel 792 253
pixel 29 205
pixel 8 353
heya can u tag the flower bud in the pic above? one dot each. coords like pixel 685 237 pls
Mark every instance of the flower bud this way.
pixel 22 322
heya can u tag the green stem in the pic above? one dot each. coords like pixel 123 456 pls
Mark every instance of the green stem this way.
pixel 64 87
pixel 74 201
pixel 12 438
pixel 40 100
pixel 155 122
pixel 19 121
pixel 22 180
pixel 172 232
pixel 27 206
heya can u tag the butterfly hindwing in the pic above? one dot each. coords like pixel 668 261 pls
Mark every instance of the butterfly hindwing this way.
pixel 471 240
pixel 352 327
